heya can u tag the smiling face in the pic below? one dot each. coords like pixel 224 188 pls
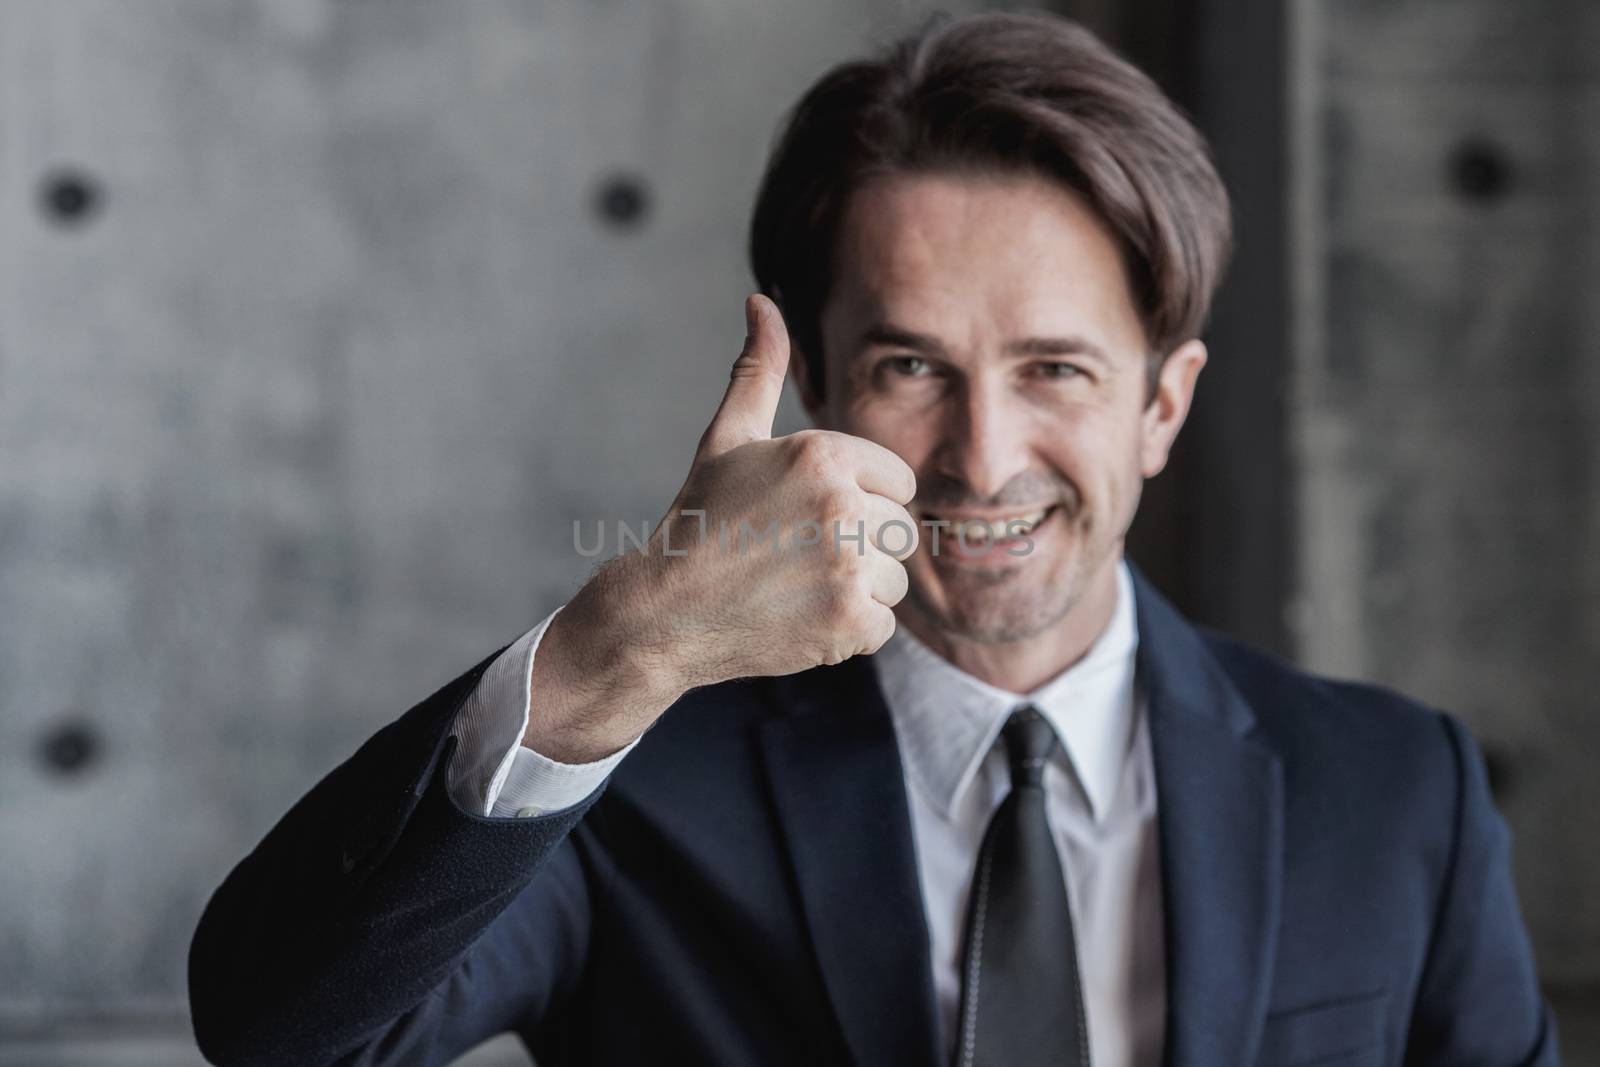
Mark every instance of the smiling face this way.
pixel 981 327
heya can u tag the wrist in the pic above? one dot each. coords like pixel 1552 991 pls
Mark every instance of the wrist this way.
pixel 622 618
pixel 600 678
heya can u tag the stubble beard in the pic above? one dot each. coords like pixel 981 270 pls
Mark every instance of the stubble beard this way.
pixel 1003 604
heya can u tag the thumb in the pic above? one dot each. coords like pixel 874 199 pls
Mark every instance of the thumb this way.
pixel 751 402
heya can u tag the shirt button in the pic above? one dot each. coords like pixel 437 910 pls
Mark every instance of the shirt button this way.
pixel 529 812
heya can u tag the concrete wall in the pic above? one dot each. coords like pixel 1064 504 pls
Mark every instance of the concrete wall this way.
pixel 320 322
pixel 1446 405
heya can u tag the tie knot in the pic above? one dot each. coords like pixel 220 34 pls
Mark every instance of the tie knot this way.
pixel 1030 741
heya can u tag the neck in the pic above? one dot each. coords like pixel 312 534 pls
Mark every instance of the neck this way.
pixel 1025 664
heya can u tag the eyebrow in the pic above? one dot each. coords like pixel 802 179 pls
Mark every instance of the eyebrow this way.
pixel 887 334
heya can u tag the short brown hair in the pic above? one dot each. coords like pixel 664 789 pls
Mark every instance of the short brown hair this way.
pixel 1007 92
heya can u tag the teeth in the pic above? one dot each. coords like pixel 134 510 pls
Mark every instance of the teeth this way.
pixel 978 530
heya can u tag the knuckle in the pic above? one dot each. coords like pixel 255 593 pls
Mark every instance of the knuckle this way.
pixel 839 579
pixel 837 604
pixel 903 481
pixel 709 439
pixel 847 594
pixel 897 534
pixel 829 650
pixel 813 453
pixel 907 488
pixel 860 582
pixel 858 624
pixel 899 584
pixel 839 507
pixel 836 503
pixel 750 366
pixel 880 630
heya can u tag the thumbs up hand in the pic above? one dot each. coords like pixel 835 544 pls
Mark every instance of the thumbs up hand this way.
pixel 750 405
pixel 779 608
pixel 778 555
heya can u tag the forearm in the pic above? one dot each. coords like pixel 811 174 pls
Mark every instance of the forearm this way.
pixel 360 901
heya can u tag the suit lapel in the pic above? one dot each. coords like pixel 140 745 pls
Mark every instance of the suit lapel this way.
pixel 839 790
pixel 838 787
pixel 1220 814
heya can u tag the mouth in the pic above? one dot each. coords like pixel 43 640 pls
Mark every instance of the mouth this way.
pixel 978 537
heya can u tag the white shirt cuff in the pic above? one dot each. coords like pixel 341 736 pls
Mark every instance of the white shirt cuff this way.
pixel 493 774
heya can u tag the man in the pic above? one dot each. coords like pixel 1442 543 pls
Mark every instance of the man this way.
pixel 879 753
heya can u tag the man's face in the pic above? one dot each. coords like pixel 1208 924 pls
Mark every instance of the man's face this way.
pixel 981 328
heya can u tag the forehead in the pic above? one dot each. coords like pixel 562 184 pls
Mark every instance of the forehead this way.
pixel 966 254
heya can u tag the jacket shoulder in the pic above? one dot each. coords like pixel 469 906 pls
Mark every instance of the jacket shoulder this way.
pixel 1334 731
pixel 1273 685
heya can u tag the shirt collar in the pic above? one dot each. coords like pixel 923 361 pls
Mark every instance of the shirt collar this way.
pixel 947 720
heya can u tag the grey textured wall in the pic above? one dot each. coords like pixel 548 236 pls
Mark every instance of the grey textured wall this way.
pixel 316 333
pixel 313 343
pixel 1446 408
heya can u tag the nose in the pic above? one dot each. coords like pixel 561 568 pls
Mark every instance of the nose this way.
pixel 985 439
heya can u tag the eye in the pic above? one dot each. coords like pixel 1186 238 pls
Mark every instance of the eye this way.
pixel 1058 371
pixel 905 366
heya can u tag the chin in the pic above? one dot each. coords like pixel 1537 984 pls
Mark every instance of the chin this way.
pixel 994 606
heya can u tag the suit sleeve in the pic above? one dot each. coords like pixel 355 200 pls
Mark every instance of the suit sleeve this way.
pixel 379 923
pixel 1479 1000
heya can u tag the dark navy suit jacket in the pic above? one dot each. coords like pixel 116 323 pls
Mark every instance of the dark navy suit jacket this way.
pixel 744 890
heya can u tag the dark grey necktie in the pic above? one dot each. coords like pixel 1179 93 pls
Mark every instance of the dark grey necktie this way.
pixel 1021 1000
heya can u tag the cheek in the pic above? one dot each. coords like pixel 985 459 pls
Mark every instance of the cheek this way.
pixel 1099 457
pixel 912 439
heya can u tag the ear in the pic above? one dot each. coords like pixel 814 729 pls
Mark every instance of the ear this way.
pixel 800 374
pixel 1164 415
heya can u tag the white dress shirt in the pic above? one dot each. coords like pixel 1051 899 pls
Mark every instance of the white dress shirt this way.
pixel 494 774
pixel 1100 797
pixel 1101 801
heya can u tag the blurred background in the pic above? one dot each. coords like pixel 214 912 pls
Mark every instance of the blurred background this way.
pixel 322 320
